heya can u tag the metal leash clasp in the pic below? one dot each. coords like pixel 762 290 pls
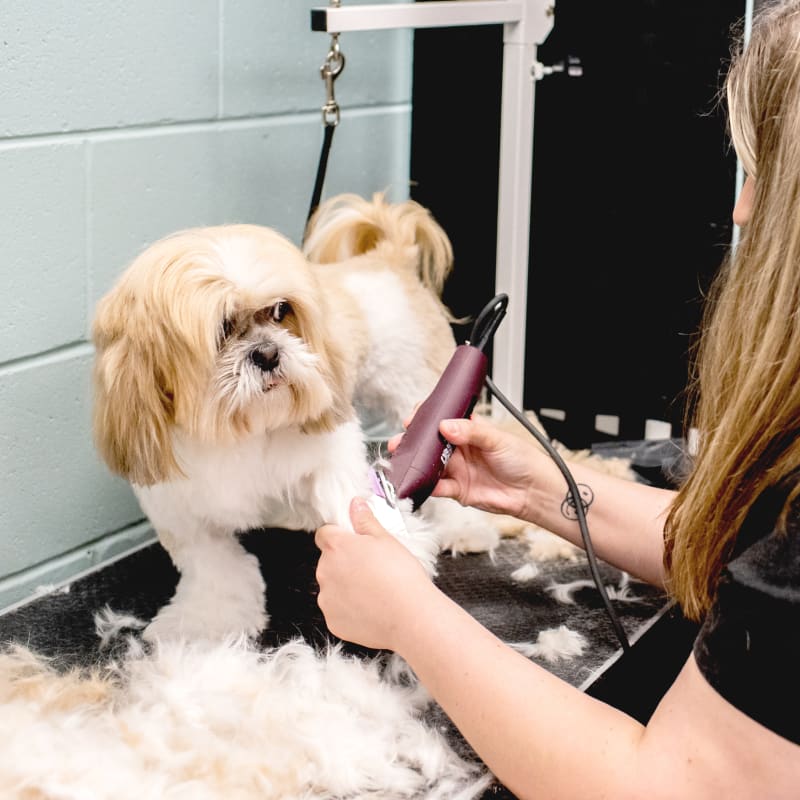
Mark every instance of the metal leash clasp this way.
pixel 329 71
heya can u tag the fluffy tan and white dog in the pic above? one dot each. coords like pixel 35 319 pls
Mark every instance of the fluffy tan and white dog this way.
pixel 229 367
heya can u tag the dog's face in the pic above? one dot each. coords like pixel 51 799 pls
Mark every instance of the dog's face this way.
pixel 218 332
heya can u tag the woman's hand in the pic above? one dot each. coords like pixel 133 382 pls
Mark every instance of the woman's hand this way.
pixel 371 588
pixel 490 469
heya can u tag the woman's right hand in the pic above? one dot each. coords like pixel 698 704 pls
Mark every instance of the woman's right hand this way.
pixel 490 469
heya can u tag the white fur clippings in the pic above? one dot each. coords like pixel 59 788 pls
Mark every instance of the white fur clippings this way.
pixel 553 644
pixel 220 721
pixel 526 573
pixel 565 592
pixel 108 625
pixel 546 546
pixel 232 371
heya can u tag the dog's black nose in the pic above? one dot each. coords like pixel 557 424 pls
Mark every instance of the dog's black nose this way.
pixel 266 358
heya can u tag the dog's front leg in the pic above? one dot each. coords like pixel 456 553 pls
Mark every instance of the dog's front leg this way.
pixel 220 592
pixel 338 481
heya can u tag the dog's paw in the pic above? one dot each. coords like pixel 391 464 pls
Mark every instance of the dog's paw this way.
pixel 215 621
pixel 167 627
pixel 419 537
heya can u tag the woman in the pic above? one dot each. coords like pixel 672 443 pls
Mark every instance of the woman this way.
pixel 726 545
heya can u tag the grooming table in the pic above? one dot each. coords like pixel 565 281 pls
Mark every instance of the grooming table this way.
pixel 60 623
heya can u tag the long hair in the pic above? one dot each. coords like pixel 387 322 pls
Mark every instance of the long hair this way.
pixel 744 388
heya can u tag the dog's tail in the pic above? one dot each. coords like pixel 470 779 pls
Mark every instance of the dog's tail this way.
pixel 347 225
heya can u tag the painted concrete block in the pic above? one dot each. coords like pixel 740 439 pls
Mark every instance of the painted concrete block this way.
pixel 43 230
pixel 372 153
pixel 271 167
pixel 55 493
pixel 144 187
pixel 271 60
pixel 79 66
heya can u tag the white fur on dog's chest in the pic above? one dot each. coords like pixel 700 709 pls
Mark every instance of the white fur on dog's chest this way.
pixel 281 479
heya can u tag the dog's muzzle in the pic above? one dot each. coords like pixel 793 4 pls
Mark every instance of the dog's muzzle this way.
pixel 266 357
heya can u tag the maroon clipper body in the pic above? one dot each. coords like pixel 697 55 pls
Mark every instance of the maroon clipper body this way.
pixel 422 454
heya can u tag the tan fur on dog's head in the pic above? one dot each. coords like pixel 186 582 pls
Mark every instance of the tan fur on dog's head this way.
pixel 215 332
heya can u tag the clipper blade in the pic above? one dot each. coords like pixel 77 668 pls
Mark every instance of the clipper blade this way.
pixel 384 503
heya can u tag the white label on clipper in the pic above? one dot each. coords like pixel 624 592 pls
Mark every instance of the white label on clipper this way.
pixel 446 453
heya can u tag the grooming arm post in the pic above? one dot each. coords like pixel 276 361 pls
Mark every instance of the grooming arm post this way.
pixel 526 25
pixel 520 68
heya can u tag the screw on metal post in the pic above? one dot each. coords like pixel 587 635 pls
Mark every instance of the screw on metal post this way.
pixel 573 68
pixel 329 71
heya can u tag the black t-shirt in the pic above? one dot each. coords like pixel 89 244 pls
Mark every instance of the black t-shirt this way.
pixel 748 647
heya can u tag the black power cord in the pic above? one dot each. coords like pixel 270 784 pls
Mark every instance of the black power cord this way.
pixel 482 331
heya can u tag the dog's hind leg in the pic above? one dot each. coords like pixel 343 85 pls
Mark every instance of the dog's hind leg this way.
pixel 462 529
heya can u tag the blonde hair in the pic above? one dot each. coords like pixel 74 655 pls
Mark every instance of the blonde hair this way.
pixel 745 385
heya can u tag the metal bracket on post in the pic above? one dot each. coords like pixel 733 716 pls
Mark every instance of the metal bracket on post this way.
pixel 527 24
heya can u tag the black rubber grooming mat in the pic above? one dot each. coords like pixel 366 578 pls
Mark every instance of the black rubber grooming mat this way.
pixel 60 624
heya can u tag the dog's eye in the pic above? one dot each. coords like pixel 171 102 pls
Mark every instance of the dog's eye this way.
pixel 274 313
pixel 280 310
pixel 226 330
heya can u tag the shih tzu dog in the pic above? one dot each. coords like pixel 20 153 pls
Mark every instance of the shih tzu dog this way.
pixel 233 371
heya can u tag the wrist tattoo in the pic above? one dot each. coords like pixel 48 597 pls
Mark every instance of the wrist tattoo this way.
pixel 568 508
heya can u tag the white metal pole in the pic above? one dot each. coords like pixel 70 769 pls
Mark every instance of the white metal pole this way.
pixel 520 43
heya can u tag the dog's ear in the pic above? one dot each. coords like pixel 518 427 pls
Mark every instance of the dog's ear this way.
pixel 133 407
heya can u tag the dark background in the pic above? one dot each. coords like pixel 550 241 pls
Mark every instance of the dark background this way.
pixel 633 188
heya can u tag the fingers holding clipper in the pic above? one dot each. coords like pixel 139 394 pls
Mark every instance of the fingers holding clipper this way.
pixel 460 432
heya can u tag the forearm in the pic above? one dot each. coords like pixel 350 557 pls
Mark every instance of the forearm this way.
pixel 540 736
pixel 625 518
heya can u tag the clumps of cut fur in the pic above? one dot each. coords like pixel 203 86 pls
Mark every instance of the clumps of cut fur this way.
pixel 565 592
pixel 553 644
pixel 546 546
pixel 526 573
pixel 108 625
pixel 211 721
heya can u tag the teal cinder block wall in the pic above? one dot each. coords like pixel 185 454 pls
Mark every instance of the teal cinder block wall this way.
pixel 119 123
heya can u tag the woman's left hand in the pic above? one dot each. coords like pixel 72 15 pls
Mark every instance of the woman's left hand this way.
pixel 370 586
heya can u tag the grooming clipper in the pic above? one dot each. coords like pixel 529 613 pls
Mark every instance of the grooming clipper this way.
pixel 417 463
